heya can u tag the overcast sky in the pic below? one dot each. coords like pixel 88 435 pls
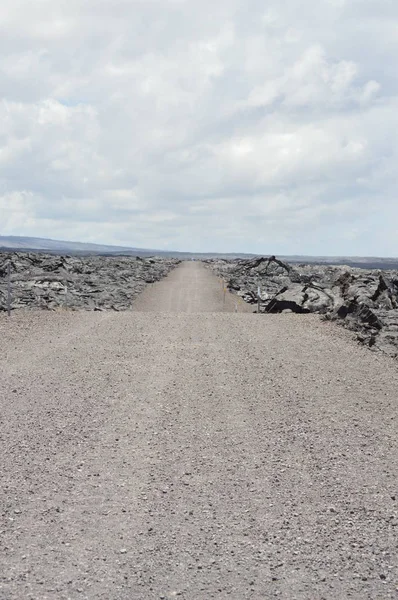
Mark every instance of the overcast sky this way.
pixel 228 125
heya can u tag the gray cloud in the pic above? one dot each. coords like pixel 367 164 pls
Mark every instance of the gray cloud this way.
pixel 199 126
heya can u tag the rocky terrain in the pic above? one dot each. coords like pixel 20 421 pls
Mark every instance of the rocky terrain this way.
pixel 184 451
pixel 365 301
pixel 91 283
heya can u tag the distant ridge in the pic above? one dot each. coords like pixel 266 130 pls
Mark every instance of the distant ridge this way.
pixel 32 244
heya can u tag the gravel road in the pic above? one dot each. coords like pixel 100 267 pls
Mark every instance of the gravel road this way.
pixel 187 450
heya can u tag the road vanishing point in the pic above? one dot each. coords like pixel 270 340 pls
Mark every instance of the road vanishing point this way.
pixel 192 449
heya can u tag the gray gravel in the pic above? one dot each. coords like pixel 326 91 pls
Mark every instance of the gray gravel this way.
pixel 195 453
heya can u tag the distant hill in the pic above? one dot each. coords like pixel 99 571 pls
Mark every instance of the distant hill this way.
pixel 32 244
pixel 40 244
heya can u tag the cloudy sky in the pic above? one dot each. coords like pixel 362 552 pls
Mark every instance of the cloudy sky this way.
pixel 228 125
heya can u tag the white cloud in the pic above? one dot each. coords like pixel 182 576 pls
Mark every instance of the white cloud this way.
pixel 173 123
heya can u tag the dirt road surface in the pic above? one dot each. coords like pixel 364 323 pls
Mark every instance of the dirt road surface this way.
pixel 185 450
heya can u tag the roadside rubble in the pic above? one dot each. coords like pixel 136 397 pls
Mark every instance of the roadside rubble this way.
pixel 365 301
pixel 45 281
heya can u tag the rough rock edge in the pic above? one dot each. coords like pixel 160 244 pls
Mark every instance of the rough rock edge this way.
pixel 52 282
pixel 364 301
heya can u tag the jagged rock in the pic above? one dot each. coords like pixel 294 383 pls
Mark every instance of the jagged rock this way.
pixel 292 299
pixel 91 283
pixel 364 301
